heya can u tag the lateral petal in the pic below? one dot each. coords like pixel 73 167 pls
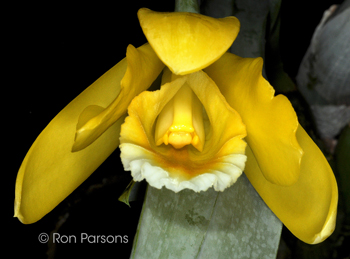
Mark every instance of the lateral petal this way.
pixel 270 120
pixel 143 68
pixel 187 42
pixel 50 171
pixel 308 208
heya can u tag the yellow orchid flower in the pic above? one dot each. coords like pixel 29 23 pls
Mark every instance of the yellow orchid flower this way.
pixel 214 116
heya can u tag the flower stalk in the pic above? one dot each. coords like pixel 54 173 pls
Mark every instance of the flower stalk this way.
pixel 190 6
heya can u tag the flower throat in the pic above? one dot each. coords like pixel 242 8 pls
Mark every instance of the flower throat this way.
pixel 180 123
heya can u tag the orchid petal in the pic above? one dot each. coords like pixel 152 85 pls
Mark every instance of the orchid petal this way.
pixel 143 68
pixel 50 171
pixel 309 207
pixel 271 121
pixel 187 42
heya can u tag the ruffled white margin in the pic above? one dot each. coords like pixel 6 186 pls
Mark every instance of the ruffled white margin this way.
pixel 142 166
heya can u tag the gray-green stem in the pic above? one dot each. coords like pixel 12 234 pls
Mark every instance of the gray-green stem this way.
pixel 190 6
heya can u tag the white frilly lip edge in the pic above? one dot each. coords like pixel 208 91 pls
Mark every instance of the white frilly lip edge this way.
pixel 139 161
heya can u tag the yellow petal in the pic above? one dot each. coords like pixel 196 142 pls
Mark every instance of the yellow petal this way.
pixel 271 121
pixel 50 171
pixel 309 207
pixel 187 42
pixel 143 68
pixel 219 164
